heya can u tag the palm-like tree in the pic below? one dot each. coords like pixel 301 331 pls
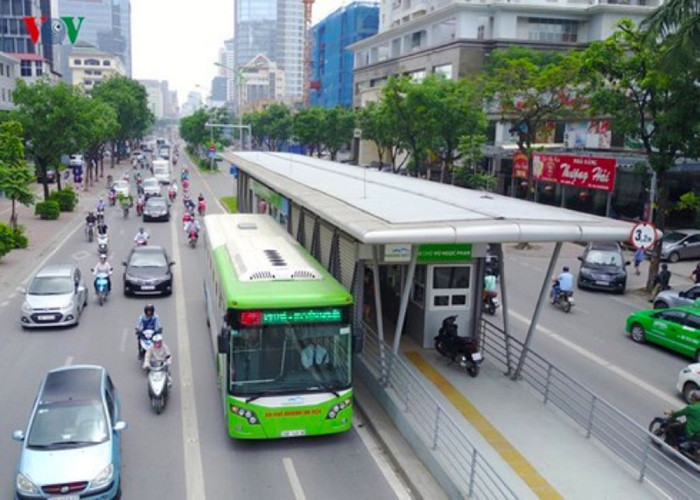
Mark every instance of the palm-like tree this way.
pixel 678 22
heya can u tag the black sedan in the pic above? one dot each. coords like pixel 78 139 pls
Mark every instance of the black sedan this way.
pixel 156 208
pixel 603 267
pixel 148 272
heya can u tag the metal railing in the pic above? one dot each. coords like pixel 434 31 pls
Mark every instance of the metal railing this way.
pixel 648 456
pixel 468 470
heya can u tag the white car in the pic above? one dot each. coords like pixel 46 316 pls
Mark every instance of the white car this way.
pixel 151 187
pixel 689 380
pixel 121 187
pixel 76 161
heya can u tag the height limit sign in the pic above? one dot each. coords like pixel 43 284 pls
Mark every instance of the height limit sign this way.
pixel 643 236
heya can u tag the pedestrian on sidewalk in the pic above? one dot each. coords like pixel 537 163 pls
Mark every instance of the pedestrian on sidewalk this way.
pixel 638 258
pixel 661 282
pixel 695 275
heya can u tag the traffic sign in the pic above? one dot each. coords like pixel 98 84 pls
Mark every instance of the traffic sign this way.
pixel 212 149
pixel 643 236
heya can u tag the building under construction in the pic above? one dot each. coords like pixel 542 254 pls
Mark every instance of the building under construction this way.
pixel 332 64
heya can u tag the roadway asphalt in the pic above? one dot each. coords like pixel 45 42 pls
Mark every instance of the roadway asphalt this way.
pixel 184 452
pixel 590 343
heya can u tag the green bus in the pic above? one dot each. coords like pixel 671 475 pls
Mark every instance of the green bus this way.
pixel 281 327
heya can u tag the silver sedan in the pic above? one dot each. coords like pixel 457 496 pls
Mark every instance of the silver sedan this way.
pixel 673 298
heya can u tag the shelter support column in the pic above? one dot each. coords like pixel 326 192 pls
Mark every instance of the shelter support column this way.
pixel 378 312
pixel 504 302
pixel 538 308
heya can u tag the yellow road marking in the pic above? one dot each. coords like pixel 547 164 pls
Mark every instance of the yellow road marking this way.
pixel 498 441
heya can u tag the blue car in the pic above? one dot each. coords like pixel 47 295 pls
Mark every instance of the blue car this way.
pixel 71 449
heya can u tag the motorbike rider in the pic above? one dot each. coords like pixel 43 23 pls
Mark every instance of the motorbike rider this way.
pixel 142 236
pixel 149 320
pixel 103 267
pixel 102 228
pixel 193 226
pixel 90 219
pixel 563 283
pixel 141 200
pixel 489 285
pixel 173 189
pixel 159 351
pixel 691 428
pixel 101 205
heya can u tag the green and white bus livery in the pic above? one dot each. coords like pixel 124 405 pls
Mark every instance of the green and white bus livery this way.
pixel 281 325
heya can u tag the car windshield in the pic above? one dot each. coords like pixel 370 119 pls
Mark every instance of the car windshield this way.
pixel 280 359
pixel 150 183
pixel 603 258
pixel 121 184
pixel 51 285
pixel 152 202
pixel 147 259
pixel 673 237
pixel 68 424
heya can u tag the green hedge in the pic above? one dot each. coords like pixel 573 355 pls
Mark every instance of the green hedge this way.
pixel 11 239
pixel 47 210
pixel 66 199
pixel 231 203
pixel 21 240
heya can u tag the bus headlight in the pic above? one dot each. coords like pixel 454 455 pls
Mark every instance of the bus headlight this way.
pixel 337 408
pixel 249 415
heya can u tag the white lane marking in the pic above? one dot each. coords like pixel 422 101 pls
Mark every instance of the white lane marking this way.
pixel 293 479
pixel 194 473
pixel 380 458
pixel 69 361
pixel 627 303
pixel 5 303
pixel 81 255
pixel 600 361
pixel 122 344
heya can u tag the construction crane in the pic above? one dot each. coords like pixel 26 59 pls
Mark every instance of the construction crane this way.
pixel 308 11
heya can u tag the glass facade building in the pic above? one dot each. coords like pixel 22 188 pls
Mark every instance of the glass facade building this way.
pixel 107 26
pixel 274 28
pixel 331 62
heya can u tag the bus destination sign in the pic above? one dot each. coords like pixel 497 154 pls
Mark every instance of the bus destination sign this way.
pixel 332 315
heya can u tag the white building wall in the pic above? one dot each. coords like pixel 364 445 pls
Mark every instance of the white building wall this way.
pixel 9 71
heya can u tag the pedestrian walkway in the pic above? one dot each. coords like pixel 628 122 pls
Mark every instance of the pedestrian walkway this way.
pixel 45 235
pixel 534 448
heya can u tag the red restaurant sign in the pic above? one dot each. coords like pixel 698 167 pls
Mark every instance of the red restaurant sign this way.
pixel 578 171
pixel 520 165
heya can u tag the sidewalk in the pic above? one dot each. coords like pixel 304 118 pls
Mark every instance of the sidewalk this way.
pixel 44 235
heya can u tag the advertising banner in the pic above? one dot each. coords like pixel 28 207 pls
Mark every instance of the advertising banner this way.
pixel 577 171
pixel 520 165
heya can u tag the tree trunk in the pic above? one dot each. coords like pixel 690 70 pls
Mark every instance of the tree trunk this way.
pixel 58 179
pixel 13 217
pixel 660 222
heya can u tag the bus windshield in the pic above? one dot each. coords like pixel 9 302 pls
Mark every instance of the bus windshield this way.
pixel 285 359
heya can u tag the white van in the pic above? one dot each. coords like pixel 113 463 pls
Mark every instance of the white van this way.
pixel 162 171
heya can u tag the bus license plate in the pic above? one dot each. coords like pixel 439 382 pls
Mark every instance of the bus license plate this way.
pixel 294 433
pixel 148 287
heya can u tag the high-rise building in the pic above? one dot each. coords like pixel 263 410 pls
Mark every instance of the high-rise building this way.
pixel 229 61
pixel 88 67
pixel 274 28
pixel 106 26
pixel 331 61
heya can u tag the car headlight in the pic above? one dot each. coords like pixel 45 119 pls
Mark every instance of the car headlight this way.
pixel 24 484
pixel 104 477
pixel 27 307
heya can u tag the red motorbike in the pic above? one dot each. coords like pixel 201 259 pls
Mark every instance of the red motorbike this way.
pixel 171 194
pixel 112 197
pixel 193 236
pixel 186 184
pixel 139 208
pixel 201 207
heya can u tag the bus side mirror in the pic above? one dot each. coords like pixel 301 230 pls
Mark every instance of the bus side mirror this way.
pixel 358 342
pixel 224 340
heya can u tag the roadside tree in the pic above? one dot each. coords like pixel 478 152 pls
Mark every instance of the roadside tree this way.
pixel 15 177
pixel 380 127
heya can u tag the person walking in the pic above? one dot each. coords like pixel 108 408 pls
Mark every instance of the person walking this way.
pixel 638 259
pixel 695 275
pixel 661 282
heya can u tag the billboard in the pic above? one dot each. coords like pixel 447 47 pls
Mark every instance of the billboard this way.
pixel 577 171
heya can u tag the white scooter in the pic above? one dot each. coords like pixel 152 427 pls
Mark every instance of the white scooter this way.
pixel 102 244
pixel 158 384
pixel 144 342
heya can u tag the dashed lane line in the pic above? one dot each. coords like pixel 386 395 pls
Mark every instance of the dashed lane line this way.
pixel 293 479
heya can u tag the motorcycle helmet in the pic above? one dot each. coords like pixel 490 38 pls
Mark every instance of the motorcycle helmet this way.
pixel 103 256
pixel 566 269
pixel 157 340
pixel 149 307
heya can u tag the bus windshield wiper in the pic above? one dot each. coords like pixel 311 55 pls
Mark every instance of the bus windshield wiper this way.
pixel 330 389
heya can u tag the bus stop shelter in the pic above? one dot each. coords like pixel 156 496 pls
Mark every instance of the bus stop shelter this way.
pixel 351 217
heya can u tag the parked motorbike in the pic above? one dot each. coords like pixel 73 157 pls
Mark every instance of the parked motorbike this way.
pixel 144 342
pixel 101 283
pixel 463 349
pixel 564 300
pixel 688 448
pixel 158 384
pixel 491 302
pixel 102 244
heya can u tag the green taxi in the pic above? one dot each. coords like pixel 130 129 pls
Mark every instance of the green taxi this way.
pixel 677 328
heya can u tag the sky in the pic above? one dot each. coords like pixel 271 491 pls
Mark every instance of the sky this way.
pixel 179 41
